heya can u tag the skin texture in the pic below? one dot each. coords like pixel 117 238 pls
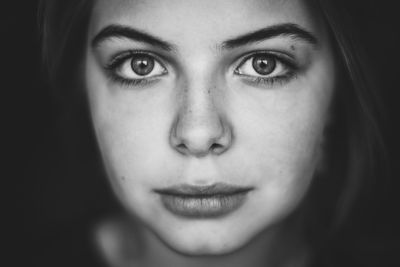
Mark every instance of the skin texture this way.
pixel 201 122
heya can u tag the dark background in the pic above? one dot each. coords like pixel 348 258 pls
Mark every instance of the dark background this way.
pixel 53 178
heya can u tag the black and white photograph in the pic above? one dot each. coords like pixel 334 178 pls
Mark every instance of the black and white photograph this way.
pixel 191 133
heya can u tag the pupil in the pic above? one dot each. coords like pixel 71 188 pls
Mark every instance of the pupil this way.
pixel 264 65
pixel 142 65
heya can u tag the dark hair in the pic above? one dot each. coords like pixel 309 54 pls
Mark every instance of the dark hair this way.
pixel 360 109
pixel 355 145
pixel 63 27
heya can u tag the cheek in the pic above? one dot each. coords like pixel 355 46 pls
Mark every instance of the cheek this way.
pixel 133 153
pixel 132 135
pixel 133 145
pixel 281 135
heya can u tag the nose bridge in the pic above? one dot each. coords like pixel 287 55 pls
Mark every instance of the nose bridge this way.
pixel 199 127
pixel 198 109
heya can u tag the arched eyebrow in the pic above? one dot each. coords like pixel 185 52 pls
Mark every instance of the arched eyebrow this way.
pixel 285 29
pixel 120 31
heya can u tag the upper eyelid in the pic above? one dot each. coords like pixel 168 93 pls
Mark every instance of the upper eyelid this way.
pixel 119 58
pixel 287 59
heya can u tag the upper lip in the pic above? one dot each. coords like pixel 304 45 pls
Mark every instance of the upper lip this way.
pixel 201 191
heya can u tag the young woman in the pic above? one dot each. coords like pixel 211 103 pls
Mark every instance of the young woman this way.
pixel 234 133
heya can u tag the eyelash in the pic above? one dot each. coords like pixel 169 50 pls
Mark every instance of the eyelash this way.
pixel 117 62
pixel 288 63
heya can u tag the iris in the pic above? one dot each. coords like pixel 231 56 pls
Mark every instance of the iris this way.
pixel 142 65
pixel 264 64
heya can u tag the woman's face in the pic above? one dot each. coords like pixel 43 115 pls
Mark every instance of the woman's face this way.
pixel 209 114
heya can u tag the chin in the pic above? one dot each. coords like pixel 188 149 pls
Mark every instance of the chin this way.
pixel 204 248
pixel 201 238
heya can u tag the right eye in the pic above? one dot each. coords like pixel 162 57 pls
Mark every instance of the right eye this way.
pixel 136 66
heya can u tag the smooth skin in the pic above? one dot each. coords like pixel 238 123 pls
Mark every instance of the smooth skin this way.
pixel 203 115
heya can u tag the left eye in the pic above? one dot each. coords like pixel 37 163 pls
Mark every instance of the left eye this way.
pixel 262 65
pixel 138 66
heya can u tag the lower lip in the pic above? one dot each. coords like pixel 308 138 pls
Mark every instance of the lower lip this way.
pixel 208 206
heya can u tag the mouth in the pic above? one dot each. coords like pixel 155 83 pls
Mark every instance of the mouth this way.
pixel 211 201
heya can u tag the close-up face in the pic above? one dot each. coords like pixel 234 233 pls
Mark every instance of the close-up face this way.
pixel 210 115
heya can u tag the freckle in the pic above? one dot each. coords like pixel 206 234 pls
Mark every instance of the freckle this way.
pixel 123 178
pixel 208 91
pixel 292 47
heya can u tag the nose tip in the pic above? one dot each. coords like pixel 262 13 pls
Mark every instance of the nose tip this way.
pixel 200 138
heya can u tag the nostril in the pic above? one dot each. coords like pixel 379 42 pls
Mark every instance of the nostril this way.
pixel 181 148
pixel 217 148
pixel 200 137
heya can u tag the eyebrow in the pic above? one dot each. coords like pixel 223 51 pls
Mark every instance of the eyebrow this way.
pixel 285 29
pixel 119 31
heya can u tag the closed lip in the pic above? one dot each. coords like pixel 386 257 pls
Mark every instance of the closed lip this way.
pixel 208 190
pixel 203 201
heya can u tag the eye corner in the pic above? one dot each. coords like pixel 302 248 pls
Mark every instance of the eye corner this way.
pixel 237 70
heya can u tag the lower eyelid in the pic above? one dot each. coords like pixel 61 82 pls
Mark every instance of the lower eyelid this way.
pixel 268 81
pixel 134 82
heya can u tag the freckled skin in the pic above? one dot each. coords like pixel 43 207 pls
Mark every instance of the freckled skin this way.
pixel 161 134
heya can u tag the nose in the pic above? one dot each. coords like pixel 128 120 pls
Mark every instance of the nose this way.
pixel 200 127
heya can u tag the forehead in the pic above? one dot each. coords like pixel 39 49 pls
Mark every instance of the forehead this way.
pixel 215 20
